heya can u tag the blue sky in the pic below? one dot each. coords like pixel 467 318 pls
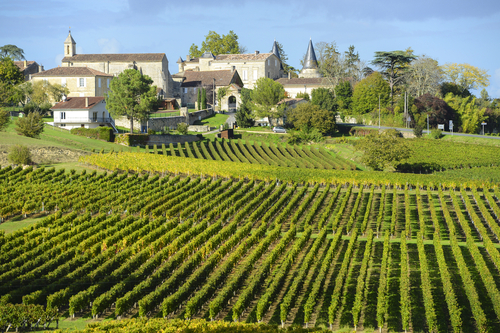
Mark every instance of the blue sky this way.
pixel 449 31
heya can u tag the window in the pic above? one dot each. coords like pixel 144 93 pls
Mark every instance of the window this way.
pixel 276 62
pixel 245 75
pixel 99 82
pixel 63 125
pixel 107 83
pixel 269 62
pixel 185 90
pixel 268 74
pixel 81 82
pixel 255 74
pixel 63 115
pixel 94 116
pixel 194 90
pixel 63 82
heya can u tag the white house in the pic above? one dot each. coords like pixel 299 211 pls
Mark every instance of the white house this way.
pixel 88 112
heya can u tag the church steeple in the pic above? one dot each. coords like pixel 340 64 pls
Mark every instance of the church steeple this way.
pixel 69 46
pixel 310 69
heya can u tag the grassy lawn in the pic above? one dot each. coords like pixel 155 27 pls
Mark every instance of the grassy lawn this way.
pixel 213 121
pixel 18 222
pixel 257 128
pixel 474 140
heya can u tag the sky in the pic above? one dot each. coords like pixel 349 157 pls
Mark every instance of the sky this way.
pixel 455 31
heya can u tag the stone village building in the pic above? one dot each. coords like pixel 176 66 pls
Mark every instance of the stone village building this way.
pixel 155 65
pixel 80 81
pixel 28 67
pixel 192 81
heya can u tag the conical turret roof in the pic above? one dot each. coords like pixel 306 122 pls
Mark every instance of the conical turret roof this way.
pixel 310 61
pixel 70 39
pixel 276 52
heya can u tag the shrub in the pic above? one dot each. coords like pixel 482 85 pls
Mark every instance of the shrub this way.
pixel 31 125
pixel 417 131
pixel 436 134
pixel 100 133
pixel 128 139
pixel 19 154
pixel 151 132
pixel 4 119
pixel 182 128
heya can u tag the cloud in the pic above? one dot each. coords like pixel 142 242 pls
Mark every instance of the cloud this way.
pixel 109 45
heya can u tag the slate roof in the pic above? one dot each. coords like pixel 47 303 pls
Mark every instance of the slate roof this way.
pixel 71 71
pixel 222 78
pixel 302 81
pixel 310 61
pixel 122 57
pixel 78 103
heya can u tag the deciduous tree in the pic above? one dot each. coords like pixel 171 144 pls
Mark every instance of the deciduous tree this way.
pixel 324 98
pixel 438 110
pixel 265 96
pixel 132 95
pixel 470 114
pixel 424 77
pixel 10 76
pixel 4 119
pixel 466 76
pixel 382 150
pixel 31 125
pixel 343 93
pixel 393 65
pixel 244 114
pixel 366 94
pixel 217 44
pixel 307 115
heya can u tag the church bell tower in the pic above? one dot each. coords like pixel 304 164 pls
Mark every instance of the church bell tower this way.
pixel 69 46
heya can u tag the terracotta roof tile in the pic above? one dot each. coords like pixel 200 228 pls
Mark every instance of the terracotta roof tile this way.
pixel 123 57
pixel 77 103
pixel 71 71
pixel 20 64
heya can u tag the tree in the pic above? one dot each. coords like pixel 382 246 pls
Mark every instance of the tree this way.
pixel 244 114
pixel 466 76
pixel 366 94
pixel 382 150
pixel 198 104
pixel 394 65
pixel 438 110
pixel 424 77
pixel 37 96
pixel 12 51
pixel 217 44
pixel 265 96
pixel 131 94
pixel 10 76
pixel 307 115
pixel 324 98
pixel 31 125
pixel 471 115
pixel 450 87
pixel 343 93
pixel 204 99
pixel 4 119
pixel 284 58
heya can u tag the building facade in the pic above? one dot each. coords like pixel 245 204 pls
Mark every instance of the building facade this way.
pixel 28 67
pixel 251 66
pixel 88 112
pixel 81 81
pixel 155 65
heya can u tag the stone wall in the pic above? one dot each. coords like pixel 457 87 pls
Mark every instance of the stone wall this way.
pixel 168 139
pixel 198 128
pixel 158 124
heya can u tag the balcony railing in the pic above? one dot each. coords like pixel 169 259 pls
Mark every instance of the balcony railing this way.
pixel 84 120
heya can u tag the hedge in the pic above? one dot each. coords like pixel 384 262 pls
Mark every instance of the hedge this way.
pixel 128 139
pixel 99 133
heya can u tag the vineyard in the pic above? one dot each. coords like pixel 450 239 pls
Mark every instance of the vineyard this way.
pixel 258 153
pixel 337 254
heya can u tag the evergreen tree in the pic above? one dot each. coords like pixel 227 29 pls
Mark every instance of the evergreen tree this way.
pixel 204 99
pixel 244 114
pixel 198 104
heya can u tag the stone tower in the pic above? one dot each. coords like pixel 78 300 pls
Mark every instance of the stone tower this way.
pixel 310 69
pixel 276 52
pixel 69 46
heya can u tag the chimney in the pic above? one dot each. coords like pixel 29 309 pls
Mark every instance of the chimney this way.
pixel 86 102
pixel 188 58
pixel 257 52
pixel 289 75
pixel 40 68
pixel 25 63
pixel 232 69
